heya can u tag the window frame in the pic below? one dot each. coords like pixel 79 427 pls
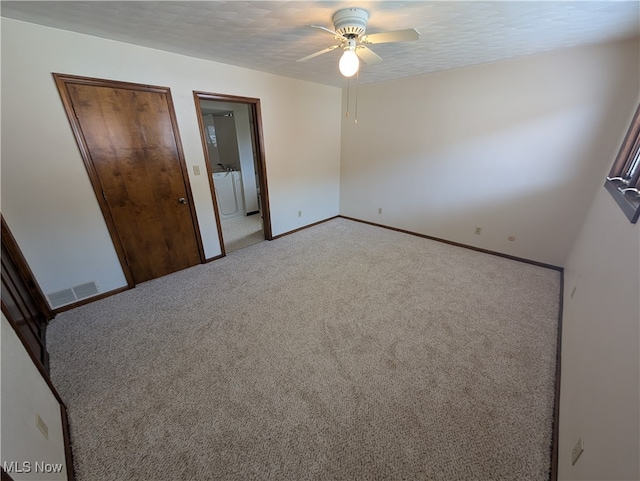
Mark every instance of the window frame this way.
pixel 623 181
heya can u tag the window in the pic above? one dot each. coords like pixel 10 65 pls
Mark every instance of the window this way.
pixel 623 182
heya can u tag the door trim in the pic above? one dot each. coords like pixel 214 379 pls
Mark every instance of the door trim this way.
pixel 27 297
pixel 39 359
pixel 254 105
pixel 61 81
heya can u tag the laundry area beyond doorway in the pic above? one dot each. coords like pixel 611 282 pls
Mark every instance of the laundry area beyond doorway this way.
pixel 229 131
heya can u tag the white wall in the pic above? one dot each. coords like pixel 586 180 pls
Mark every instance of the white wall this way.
pixel 214 155
pixel 245 148
pixel 47 199
pixel 600 391
pixel 25 394
pixel 511 147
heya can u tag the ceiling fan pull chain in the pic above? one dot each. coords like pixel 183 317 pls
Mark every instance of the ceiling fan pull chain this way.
pixel 348 89
pixel 355 121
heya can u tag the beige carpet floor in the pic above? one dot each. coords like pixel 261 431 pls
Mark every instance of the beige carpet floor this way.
pixel 241 232
pixel 341 352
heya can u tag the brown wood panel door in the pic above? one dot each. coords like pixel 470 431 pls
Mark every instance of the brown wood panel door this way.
pixel 131 141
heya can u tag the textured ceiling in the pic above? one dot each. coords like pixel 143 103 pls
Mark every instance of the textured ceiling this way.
pixel 271 36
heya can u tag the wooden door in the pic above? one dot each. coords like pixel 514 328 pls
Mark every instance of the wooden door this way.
pixel 129 140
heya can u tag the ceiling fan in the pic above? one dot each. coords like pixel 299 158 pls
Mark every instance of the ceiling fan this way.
pixel 349 27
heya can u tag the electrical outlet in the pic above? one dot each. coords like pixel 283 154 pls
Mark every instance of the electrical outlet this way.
pixel 299 213
pixel 196 170
pixel 478 230
pixel 42 426
pixel 577 451
pixel 379 210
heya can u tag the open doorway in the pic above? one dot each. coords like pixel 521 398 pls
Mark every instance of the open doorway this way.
pixel 231 134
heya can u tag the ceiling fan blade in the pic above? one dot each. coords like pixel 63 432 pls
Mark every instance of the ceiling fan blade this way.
pixel 308 57
pixel 328 30
pixel 393 36
pixel 367 55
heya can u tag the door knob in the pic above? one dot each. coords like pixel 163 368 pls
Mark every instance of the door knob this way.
pixel 182 200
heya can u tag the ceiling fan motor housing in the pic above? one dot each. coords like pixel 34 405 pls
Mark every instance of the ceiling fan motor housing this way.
pixel 350 22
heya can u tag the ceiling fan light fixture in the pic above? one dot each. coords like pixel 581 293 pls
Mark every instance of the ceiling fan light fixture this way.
pixel 349 28
pixel 349 63
pixel 350 21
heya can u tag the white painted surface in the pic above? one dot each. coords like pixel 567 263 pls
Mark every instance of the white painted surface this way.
pixel 600 391
pixel 212 149
pixel 25 394
pixel 47 199
pixel 271 36
pixel 512 147
pixel 227 142
pixel 245 149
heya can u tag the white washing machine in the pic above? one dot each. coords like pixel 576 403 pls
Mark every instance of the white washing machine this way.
pixel 229 194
